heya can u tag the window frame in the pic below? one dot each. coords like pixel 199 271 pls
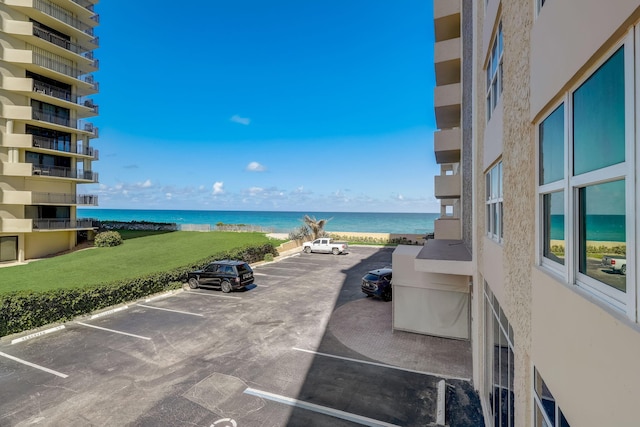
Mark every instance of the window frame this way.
pixel 494 76
pixel 572 184
pixel 494 203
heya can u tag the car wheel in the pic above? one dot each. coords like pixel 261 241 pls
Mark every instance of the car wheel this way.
pixel 335 251
pixel 623 269
pixel 307 250
pixel 193 283
pixel 387 295
pixel 225 287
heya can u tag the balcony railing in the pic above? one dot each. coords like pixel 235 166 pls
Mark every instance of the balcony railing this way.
pixel 55 65
pixel 87 199
pixel 51 90
pixel 64 146
pixel 58 41
pixel 62 172
pixel 53 118
pixel 64 199
pixel 63 15
pixel 61 224
pixel 64 94
pixel 84 3
pixel 90 80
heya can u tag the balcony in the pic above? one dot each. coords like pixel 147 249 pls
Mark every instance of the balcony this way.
pixel 447 102
pixel 446 19
pixel 447 59
pixel 447 145
pixel 447 228
pixel 58 119
pixel 15 225
pixel 39 198
pixel 61 224
pixel 447 186
pixel 15 169
pixel 47 143
pixel 15 140
pixel 63 172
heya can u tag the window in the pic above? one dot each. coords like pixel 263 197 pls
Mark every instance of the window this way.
pixel 8 248
pixel 494 202
pixel 499 361
pixel 547 412
pixel 494 73
pixel 585 171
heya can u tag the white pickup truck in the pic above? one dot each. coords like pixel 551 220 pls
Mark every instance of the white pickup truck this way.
pixel 615 263
pixel 326 245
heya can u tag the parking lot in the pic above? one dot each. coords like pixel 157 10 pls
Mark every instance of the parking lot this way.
pixel 303 346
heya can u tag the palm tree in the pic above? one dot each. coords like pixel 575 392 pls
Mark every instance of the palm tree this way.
pixel 316 226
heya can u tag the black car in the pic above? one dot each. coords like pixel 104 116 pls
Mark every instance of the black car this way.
pixel 225 274
pixel 377 283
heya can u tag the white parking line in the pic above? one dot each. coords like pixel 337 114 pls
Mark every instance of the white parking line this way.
pixel 166 294
pixel 37 334
pixel 336 413
pixel 209 295
pixel 275 276
pixel 105 313
pixel 173 311
pixel 382 365
pixel 113 330
pixel 33 365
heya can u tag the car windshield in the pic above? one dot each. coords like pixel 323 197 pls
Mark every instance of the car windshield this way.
pixel 372 277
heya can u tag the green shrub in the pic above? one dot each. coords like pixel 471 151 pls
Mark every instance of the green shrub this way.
pixel 24 310
pixel 268 257
pixel 108 239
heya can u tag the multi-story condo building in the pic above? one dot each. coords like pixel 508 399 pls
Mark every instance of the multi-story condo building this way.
pixel 536 105
pixel 46 83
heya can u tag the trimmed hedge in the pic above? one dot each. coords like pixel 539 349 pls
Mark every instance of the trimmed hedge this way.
pixel 21 311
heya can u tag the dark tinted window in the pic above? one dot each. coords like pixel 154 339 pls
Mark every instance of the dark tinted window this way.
pixel 243 268
pixel 372 277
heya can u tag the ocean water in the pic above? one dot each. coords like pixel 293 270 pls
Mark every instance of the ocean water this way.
pixel 602 228
pixel 278 222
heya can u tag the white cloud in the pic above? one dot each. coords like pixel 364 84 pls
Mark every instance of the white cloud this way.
pixel 168 196
pixel 217 187
pixel 146 184
pixel 256 167
pixel 242 120
pixel 400 197
pixel 255 190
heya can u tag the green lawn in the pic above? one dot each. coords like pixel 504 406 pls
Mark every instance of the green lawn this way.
pixel 135 257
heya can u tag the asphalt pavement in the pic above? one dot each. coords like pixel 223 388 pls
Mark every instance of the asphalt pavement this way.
pixel 302 347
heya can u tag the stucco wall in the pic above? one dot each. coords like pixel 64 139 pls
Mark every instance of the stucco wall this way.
pixel 40 244
pixel 467 124
pixel 519 195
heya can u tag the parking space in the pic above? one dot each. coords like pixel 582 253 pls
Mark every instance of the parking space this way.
pixel 265 356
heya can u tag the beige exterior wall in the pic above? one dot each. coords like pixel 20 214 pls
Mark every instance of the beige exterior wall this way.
pixel 40 244
pixel 586 352
pixel 573 42
pixel 587 355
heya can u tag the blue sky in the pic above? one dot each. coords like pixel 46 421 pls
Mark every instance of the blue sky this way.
pixel 266 105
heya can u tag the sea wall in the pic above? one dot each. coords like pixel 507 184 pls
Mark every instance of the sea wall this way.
pixel 381 238
pixel 137 226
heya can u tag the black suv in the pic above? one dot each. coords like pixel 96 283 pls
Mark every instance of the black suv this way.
pixel 225 274
pixel 377 283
